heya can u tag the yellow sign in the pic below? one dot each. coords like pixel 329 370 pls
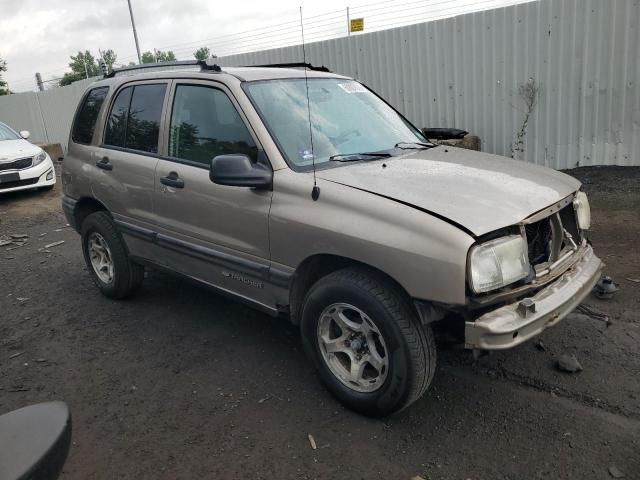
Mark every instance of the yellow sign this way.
pixel 357 24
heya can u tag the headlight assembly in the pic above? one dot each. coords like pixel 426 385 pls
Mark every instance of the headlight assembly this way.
pixel 583 211
pixel 39 158
pixel 498 262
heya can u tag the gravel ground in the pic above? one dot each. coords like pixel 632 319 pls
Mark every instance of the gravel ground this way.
pixel 181 383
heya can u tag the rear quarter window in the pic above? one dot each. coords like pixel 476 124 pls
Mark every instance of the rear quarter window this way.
pixel 85 121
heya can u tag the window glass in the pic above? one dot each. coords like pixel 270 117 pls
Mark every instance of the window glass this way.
pixel 85 122
pixel 7 133
pixel 117 123
pixel 143 122
pixel 204 124
pixel 346 118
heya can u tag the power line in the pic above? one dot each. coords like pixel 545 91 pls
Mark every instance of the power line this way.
pixel 381 15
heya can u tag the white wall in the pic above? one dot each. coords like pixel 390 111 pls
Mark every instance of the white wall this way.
pixel 464 72
pixel 47 115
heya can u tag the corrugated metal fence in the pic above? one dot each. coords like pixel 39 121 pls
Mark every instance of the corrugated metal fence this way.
pixel 47 115
pixel 466 72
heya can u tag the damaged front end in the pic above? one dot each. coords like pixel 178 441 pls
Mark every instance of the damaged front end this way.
pixel 563 270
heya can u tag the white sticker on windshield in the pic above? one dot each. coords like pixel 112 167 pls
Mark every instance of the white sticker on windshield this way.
pixel 353 87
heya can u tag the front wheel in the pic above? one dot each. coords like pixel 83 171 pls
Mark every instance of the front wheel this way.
pixel 367 342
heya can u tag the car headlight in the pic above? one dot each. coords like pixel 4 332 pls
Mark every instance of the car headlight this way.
pixel 583 211
pixel 39 158
pixel 498 262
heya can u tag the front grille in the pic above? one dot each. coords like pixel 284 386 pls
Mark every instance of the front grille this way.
pixel 539 241
pixel 16 164
pixel 570 222
pixel 19 183
pixel 539 235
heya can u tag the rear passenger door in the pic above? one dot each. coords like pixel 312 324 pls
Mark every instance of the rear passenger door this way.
pixel 215 233
pixel 128 155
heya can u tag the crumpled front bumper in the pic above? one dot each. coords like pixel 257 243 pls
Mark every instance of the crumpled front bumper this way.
pixel 515 323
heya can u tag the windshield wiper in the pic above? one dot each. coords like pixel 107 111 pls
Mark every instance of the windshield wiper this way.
pixel 354 157
pixel 413 145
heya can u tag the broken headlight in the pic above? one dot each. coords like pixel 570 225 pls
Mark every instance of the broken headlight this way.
pixel 498 262
pixel 583 211
pixel 39 158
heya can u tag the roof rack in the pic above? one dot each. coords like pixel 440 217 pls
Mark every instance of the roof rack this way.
pixel 294 65
pixel 204 66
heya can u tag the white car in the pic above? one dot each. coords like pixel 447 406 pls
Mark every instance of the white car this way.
pixel 22 164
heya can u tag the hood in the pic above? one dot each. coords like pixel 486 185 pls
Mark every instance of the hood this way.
pixel 20 148
pixel 478 191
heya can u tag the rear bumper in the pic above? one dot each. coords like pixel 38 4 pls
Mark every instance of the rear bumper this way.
pixel 513 324
pixel 69 209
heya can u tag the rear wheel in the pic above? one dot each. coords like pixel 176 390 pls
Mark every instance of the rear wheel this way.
pixel 107 259
pixel 367 342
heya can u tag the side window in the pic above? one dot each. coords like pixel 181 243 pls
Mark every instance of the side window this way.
pixel 143 124
pixel 204 124
pixel 85 121
pixel 134 120
pixel 117 122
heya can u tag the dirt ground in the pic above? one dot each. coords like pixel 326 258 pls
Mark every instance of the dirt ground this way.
pixel 181 383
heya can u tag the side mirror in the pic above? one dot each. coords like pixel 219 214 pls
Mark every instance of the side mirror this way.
pixel 25 134
pixel 240 171
pixel 35 441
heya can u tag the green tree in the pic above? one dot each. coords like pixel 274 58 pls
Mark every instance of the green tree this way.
pixel 202 53
pixel 3 85
pixel 158 56
pixel 148 57
pixel 83 65
pixel 109 57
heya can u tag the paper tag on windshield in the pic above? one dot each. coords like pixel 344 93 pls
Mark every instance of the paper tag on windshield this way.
pixel 353 87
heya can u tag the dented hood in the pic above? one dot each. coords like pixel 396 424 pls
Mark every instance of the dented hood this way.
pixel 478 191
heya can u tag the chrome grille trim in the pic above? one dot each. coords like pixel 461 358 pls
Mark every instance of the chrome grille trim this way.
pixel 17 164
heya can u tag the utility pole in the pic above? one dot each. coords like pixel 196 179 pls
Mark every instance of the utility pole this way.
pixel 348 24
pixel 39 82
pixel 135 34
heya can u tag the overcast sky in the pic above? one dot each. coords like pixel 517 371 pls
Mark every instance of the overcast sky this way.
pixel 39 36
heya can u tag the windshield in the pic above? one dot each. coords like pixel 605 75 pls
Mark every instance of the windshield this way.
pixel 7 133
pixel 346 119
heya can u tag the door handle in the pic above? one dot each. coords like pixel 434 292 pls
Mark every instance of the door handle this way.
pixel 172 180
pixel 104 163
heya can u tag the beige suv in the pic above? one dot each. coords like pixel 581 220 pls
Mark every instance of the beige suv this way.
pixel 306 195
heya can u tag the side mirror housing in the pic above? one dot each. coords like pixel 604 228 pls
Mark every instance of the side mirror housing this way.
pixel 25 134
pixel 240 171
pixel 35 441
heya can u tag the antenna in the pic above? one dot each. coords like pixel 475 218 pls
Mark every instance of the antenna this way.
pixel 315 192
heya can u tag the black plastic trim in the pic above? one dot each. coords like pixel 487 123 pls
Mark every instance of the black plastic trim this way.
pixel 136 231
pixel 247 301
pixel 210 254
pixel 69 209
pixel 268 273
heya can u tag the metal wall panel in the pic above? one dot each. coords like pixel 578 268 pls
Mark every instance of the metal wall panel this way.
pixel 465 71
pixel 47 115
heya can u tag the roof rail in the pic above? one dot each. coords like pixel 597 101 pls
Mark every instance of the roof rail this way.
pixel 204 66
pixel 294 65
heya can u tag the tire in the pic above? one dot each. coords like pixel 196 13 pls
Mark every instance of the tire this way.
pixel 119 277
pixel 392 327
